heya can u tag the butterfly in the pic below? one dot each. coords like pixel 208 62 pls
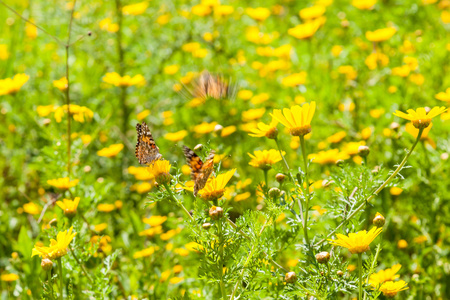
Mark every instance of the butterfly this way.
pixel 208 85
pixel 146 150
pixel 200 171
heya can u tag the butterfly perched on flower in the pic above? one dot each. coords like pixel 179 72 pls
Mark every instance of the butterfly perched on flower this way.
pixel 200 171
pixel 146 150
pixel 208 85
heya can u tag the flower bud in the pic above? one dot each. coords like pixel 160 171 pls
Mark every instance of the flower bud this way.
pixel 363 151
pixel 216 212
pixel 379 220
pixel 340 163
pixel 274 192
pixel 218 128
pixel 323 257
pixel 290 277
pixel 46 264
pixel 206 226
pixel 340 273
pixel 198 147
pixel 280 177
pixel 395 126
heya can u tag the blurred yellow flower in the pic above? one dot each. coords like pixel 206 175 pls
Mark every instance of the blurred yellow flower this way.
pixel 349 72
pixel 155 220
pixel 190 47
pixel 445 17
pixel 9 277
pixel 163 19
pixel 328 157
pixel 108 25
pixel 420 118
pixel 4 54
pixel 205 127
pixel 140 173
pixel 395 191
pixel 201 10
pixel 31 30
pixel 31 208
pixel 402 71
pixel 385 275
pixel 175 280
pixel 110 151
pixel 444 96
pixel 296 119
pixel 215 187
pixel 69 206
pixel 336 50
pixel 312 12
pixel 63 183
pixel 171 70
pixel 265 159
pixel 104 247
pixel 106 207
pixel 391 288
pixel 79 113
pixel 146 252
pixel 364 4
pixel 223 10
pixel 375 60
pixel 142 188
pixel 380 34
pixel 100 227
pixel 125 81
pixel 270 131
pixel 420 239
pixel 337 137
pixel 294 80
pixel 168 235
pixel 160 169
pixel 57 248
pixel 352 148
pixel 402 244
pixel 357 242
pixel 176 136
pixel 306 30
pixel 258 14
pixel 143 114
pixel 12 85
pixel 135 9
pixel 253 114
pixel 61 84
pixel 226 131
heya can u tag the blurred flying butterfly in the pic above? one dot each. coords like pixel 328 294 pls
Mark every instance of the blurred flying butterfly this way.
pixel 208 85
pixel 200 171
pixel 146 150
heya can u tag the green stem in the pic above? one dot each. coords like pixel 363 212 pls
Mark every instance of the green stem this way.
pixel 61 284
pixel 265 179
pixel 382 186
pixel 177 201
pixel 81 265
pixel 372 266
pixel 50 283
pixel 308 195
pixel 221 259
pixel 360 275
pixel 285 162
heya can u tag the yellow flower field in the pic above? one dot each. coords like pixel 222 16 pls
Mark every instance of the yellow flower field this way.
pixel 215 149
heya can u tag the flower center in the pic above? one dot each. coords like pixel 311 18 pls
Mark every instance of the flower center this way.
pixel 300 131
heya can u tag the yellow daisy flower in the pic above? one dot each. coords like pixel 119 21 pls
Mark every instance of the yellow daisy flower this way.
pixel 358 242
pixel 160 170
pixel 265 159
pixel 297 119
pixel 391 288
pixel 12 85
pixel 420 118
pixel 57 248
pixel 270 131
pixel 215 187
pixel 328 157
pixel 110 151
pixel 69 206
pixel 385 275
pixel 63 183
pixel 125 81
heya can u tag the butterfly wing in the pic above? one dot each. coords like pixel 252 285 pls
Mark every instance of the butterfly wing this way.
pixel 146 150
pixel 200 171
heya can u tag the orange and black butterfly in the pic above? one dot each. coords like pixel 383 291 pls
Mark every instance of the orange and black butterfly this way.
pixel 200 171
pixel 146 150
pixel 208 85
